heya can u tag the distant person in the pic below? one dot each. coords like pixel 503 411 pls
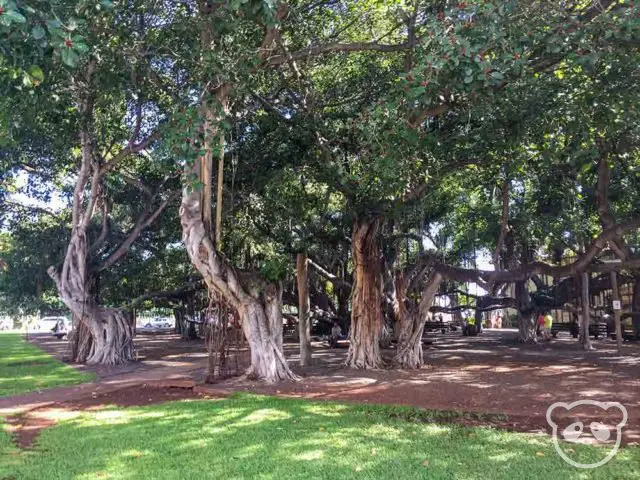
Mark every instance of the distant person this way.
pixel 540 324
pixel 609 320
pixel 59 330
pixel 548 323
pixel 336 333
pixel 469 327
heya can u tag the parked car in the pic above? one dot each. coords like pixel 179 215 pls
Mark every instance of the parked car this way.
pixel 58 326
pixel 157 323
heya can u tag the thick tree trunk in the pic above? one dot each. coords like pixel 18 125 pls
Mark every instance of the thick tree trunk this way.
pixel 304 327
pixel 343 294
pixel 219 190
pixel 615 297
pixel 411 323
pixel 527 327
pixel 386 334
pixel 178 315
pixel 527 318
pixel 103 336
pixel 635 305
pixel 258 303
pixel 389 318
pixel 585 340
pixel 112 337
pixel 366 297
pixel 80 341
pixel 478 318
pixel 262 326
pixel 184 327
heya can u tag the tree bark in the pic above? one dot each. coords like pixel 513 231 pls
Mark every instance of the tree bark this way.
pixel 343 305
pixel 585 340
pixel 527 318
pixel 178 315
pixel 110 332
pixel 185 328
pixel 504 224
pixel 219 191
pixel 258 303
pixel 411 323
pixel 80 341
pixel 366 297
pixel 304 309
pixel 616 312
pixel 635 306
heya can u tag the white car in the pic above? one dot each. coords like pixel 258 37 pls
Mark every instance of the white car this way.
pixel 48 324
pixel 157 323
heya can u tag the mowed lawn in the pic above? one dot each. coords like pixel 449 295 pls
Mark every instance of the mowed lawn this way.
pixel 248 436
pixel 25 368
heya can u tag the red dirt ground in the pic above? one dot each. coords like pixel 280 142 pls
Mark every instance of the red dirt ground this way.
pixel 26 427
pixel 488 374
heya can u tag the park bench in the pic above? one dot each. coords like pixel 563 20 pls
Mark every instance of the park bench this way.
pixel 571 328
pixel 596 330
pixel 430 326
pixel 628 332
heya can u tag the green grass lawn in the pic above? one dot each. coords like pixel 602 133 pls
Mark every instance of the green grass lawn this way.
pixel 25 368
pixel 264 437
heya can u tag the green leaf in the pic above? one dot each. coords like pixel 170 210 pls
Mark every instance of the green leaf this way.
pixel 468 79
pixel 14 16
pixel 80 47
pixel 54 24
pixel 416 92
pixel 69 57
pixel 38 32
pixel 36 73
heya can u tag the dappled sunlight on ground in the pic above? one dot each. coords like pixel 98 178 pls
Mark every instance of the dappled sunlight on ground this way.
pixel 490 373
pixel 249 437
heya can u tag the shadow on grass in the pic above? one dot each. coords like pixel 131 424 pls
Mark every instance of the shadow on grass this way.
pixel 249 436
pixel 25 368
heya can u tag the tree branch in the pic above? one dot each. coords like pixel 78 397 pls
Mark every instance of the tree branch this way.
pixel 618 245
pixel 337 281
pixel 583 263
pixel 314 51
pixel 33 208
pixel 143 222
pixel 104 230
pixel 504 223
pixel 129 150
pixel 136 184
pixel 167 294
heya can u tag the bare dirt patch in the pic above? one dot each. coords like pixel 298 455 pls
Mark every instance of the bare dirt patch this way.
pixel 490 376
pixel 25 428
